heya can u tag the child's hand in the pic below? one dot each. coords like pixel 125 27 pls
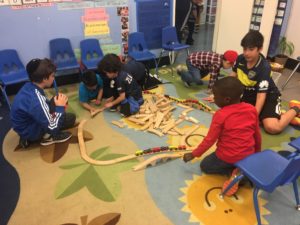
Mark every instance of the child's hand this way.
pixel 188 157
pixel 92 110
pixel 60 100
pixel 108 105
pixel 209 99
pixel 97 102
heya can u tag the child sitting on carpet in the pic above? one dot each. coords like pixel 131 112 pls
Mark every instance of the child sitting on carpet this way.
pixel 33 116
pixel 235 128
pixel 127 93
pixel 91 88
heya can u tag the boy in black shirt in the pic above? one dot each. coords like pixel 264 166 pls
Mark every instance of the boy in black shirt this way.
pixel 254 71
pixel 127 94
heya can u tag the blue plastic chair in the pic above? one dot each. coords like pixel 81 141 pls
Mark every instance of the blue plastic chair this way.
pixel 138 50
pixel 171 44
pixel 295 144
pixel 268 170
pixel 91 53
pixel 12 70
pixel 62 55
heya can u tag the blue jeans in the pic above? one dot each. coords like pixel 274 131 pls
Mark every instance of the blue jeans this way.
pixel 211 164
pixel 193 75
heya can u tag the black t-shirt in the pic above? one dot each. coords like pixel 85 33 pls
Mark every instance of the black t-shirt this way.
pixel 135 69
pixel 126 83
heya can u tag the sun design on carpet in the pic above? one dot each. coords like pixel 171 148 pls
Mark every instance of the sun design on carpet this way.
pixel 202 201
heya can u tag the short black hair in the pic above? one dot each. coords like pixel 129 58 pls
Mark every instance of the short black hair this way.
pixel 253 39
pixel 229 87
pixel 89 78
pixel 40 69
pixel 110 63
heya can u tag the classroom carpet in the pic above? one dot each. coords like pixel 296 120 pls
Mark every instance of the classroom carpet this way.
pixel 55 186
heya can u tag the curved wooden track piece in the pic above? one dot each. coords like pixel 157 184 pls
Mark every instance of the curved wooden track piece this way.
pixel 90 160
pixel 94 113
pixel 192 130
pixel 153 160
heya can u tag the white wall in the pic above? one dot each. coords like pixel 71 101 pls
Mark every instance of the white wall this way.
pixel 267 22
pixel 232 23
pixel 292 32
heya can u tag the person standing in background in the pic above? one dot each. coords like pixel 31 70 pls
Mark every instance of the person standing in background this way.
pixel 200 7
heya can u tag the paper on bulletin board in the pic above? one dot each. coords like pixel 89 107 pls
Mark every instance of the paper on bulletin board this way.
pixel 113 48
pixel 4 2
pixel 94 15
pixel 96 28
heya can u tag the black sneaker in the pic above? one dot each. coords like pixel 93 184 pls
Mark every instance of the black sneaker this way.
pixel 58 138
pixel 24 143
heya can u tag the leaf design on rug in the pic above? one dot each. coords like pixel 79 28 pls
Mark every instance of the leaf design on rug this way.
pixel 101 181
pixel 105 219
pixel 52 153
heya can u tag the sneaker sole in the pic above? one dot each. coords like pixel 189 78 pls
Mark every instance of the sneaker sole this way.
pixel 58 141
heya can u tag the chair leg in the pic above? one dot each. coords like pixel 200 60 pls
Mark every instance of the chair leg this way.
pixel 187 51
pixel 160 55
pixel 283 86
pixel 171 61
pixel 256 206
pixel 296 195
pixel 5 95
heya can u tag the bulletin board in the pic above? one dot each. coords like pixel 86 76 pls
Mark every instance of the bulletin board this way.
pixel 29 25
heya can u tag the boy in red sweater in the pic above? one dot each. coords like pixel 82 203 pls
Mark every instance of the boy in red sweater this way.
pixel 235 128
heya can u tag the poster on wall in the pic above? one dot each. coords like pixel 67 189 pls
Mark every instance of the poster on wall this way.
pixel 4 2
pixel 96 25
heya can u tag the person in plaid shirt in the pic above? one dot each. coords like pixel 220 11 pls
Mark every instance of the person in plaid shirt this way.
pixel 202 63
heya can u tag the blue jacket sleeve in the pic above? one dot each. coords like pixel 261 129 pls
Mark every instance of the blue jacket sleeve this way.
pixel 50 123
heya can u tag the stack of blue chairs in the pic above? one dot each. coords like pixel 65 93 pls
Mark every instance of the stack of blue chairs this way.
pixel 12 70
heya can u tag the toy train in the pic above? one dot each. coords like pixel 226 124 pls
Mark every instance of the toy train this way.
pixel 190 102
pixel 160 149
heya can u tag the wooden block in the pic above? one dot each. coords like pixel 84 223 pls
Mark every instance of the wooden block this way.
pixel 148 124
pixel 178 130
pixel 186 111
pixel 164 104
pixel 169 126
pixel 118 123
pixel 137 121
pixel 157 132
pixel 173 133
pixel 192 119
pixel 159 118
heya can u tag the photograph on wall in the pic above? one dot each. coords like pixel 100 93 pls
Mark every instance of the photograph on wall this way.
pixel 282 4
pixel 278 21
pixel 122 11
pixel 125 35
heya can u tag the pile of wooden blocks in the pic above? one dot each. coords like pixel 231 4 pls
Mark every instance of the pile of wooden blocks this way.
pixel 156 116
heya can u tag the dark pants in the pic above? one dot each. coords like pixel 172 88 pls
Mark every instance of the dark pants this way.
pixel 211 164
pixel 69 121
pixel 191 26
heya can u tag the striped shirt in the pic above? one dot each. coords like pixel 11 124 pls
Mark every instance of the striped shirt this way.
pixel 208 62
